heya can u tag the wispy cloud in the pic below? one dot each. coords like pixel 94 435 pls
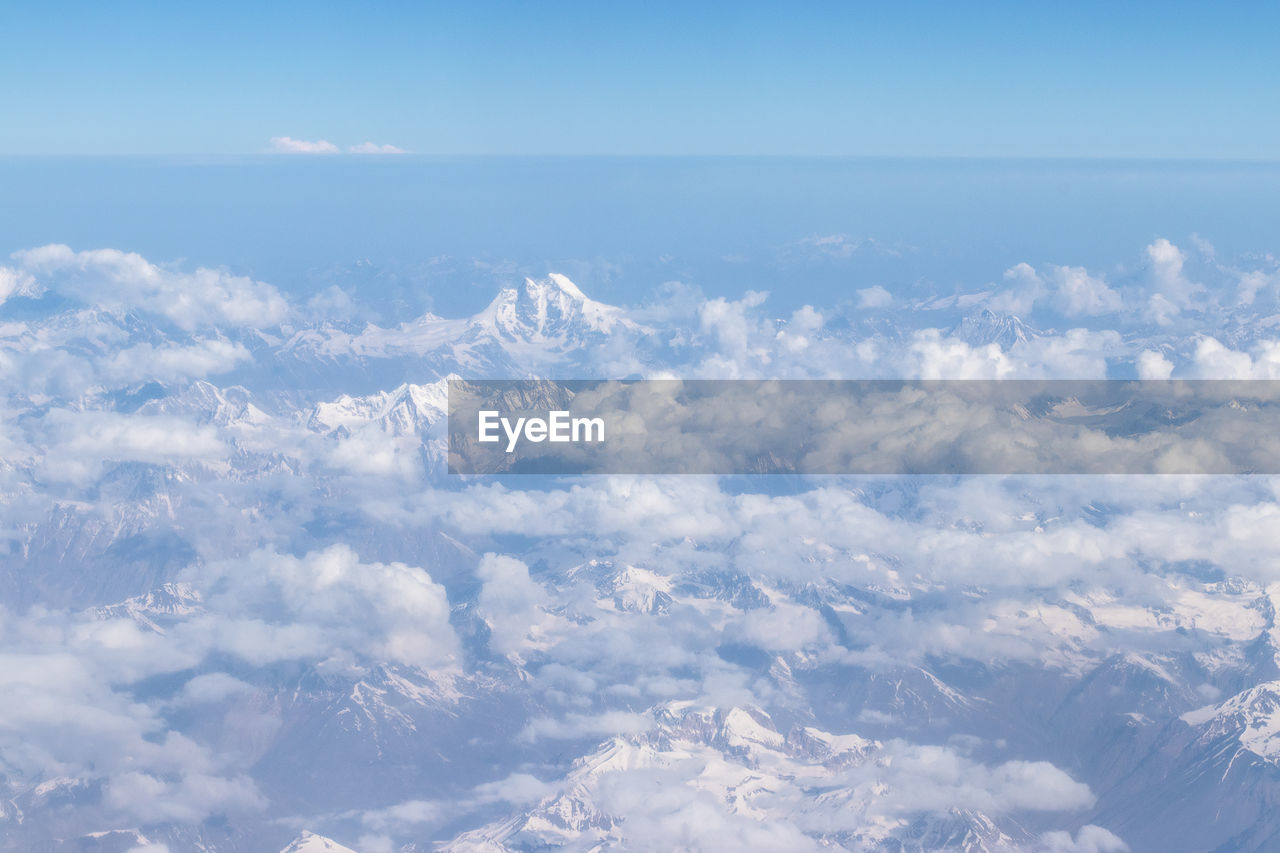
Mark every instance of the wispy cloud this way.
pixel 289 145
pixel 375 148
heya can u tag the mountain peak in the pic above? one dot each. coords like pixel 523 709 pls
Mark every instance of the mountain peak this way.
pixel 309 842
pixel 549 309
pixel 990 327
pixel 560 281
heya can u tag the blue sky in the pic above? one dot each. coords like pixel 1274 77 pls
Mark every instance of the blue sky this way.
pixel 1145 80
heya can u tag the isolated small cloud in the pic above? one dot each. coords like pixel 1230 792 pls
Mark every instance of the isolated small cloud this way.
pixel 874 297
pixel 375 148
pixel 289 145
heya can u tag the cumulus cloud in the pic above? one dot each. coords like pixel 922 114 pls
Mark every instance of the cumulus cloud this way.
pixel 73 676
pixel 289 145
pixel 370 451
pixel 783 626
pixel 509 601
pixel 327 606
pixel 16 283
pixel 111 278
pixel 189 798
pixel 934 357
pixel 1214 360
pixel 1171 292
pixel 1069 291
pixel 1076 293
pixel 865 582
pixel 1153 365
pixel 67 719
pixel 732 326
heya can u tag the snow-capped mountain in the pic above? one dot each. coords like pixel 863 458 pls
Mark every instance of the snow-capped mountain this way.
pixel 309 842
pixel 766 788
pixel 406 410
pixel 988 327
pixel 543 323
pixel 241 598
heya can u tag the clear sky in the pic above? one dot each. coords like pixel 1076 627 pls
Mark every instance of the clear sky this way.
pixel 1021 79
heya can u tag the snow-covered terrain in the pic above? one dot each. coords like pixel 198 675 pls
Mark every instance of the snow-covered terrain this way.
pixel 246 609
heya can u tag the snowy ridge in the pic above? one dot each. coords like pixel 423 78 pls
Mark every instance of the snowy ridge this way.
pixel 768 786
pixel 1252 717
pixel 540 322
pixel 405 410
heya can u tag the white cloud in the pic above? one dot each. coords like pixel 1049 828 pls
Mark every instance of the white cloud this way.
pixel 328 606
pixel 518 788
pixel 1166 262
pixel 1171 292
pixel 111 278
pixel 1024 289
pixel 289 145
pixel 79 445
pixel 1090 839
pixel 510 602
pixel 1076 293
pixel 1070 291
pixel 332 303
pixel 187 799
pixel 1253 283
pixel 373 148
pixel 16 283
pixel 1213 360
pixel 875 296
pixel 370 451
pixel 1153 365
pixel 169 363
pixel 1075 354
pixel 212 687
pixel 732 325
pixel 583 726
pixel 932 356
pixel 783 627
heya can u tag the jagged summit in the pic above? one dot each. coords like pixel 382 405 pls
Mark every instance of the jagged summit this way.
pixel 402 411
pixel 540 321
pixel 551 309
pixel 1252 717
pixel 758 778
pixel 989 327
